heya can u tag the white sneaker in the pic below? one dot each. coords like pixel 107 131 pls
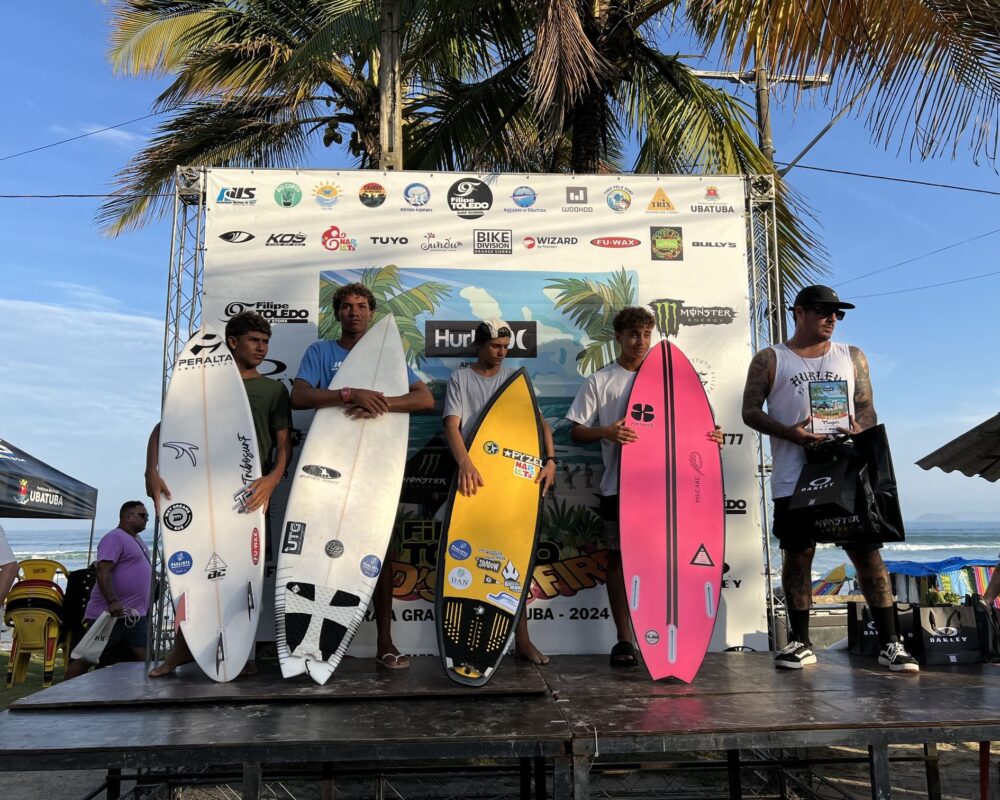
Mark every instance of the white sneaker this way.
pixel 895 657
pixel 794 655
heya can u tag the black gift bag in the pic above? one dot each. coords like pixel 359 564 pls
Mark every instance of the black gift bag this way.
pixel 862 635
pixel 949 635
pixel 988 626
pixel 846 492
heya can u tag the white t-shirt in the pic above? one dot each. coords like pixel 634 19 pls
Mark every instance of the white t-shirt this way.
pixel 6 554
pixel 469 392
pixel 602 401
pixel 788 403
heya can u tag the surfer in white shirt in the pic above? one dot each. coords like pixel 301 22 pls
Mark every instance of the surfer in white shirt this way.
pixel 780 376
pixel 598 415
pixel 354 306
pixel 469 390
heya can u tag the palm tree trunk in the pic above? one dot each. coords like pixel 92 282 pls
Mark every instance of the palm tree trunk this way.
pixel 587 124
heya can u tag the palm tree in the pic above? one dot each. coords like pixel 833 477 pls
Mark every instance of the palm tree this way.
pixel 391 297
pixel 592 306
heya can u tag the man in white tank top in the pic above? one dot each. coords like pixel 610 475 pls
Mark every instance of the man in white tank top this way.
pixel 780 375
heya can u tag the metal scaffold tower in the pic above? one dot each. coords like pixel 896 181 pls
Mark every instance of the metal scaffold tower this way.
pixel 767 326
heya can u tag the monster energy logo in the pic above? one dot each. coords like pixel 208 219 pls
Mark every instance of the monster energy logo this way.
pixel 671 314
pixel 429 463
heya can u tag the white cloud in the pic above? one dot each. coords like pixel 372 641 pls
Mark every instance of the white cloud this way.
pixel 481 302
pixel 116 136
pixel 80 389
pixel 85 295
pixel 546 333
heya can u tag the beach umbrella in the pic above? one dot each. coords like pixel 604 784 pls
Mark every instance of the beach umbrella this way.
pixel 975 452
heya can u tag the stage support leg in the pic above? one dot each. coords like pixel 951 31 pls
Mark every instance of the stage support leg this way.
pixel 326 781
pixel 562 778
pixel 539 768
pixel 525 769
pixel 984 771
pixel 932 768
pixel 114 783
pixel 251 782
pixel 380 788
pixel 878 762
pixel 581 778
pixel 735 784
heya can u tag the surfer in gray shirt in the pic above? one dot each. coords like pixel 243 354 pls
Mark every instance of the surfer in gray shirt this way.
pixel 469 390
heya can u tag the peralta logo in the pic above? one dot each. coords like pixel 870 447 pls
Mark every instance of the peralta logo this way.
pixel 237 196
pixel 337 241
pixel 671 314
pixel 666 244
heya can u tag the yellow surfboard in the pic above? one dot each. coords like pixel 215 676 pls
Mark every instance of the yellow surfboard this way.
pixel 488 544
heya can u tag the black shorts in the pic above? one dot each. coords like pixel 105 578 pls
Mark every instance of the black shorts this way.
pixel 793 541
pixel 608 510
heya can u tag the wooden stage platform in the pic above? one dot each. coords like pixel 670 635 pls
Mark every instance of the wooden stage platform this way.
pixel 563 715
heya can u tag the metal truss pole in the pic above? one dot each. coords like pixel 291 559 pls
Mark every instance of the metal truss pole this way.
pixel 183 318
pixel 766 328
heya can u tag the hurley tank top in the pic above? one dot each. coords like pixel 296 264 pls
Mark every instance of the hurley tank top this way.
pixel 788 403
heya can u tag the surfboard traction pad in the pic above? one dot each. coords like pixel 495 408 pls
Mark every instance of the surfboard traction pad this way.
pixel 320 622
pixel 466 623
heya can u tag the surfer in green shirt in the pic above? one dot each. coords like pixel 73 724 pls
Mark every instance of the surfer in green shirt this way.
pixel 248 335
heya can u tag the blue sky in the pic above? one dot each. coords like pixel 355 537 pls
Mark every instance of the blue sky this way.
pixel 81 316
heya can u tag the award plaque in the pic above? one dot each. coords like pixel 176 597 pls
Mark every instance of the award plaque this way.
pixel 828 405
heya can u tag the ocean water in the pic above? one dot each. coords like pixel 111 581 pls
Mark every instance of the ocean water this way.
pixel 925 541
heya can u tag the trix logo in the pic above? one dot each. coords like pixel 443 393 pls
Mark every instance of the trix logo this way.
pixel 210 342
pixel 642 412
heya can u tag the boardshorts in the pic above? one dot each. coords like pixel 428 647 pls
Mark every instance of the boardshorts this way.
pixel 792 539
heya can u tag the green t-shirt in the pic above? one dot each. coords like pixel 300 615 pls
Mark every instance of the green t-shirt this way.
pixel 272 412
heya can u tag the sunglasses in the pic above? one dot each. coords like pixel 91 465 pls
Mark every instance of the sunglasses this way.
pixel 826 311
pixel 141 514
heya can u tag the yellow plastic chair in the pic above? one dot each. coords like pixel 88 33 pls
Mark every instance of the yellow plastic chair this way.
pixel 36 630
pixel 44 569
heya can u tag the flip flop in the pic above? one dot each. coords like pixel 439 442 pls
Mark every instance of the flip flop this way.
pixel 623 655
pixel 393 661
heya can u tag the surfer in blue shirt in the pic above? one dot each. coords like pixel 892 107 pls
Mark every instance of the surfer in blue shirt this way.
pixel 598 415
pixel 469 390
pixel 354 307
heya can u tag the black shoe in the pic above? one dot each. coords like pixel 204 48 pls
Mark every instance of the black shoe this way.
pixel 895 657
pixel 794 655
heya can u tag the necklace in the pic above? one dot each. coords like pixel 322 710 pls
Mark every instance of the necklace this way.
pixel 807 365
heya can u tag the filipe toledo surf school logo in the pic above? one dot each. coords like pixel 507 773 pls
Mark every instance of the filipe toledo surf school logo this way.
pixel 671 314
pixel 470 198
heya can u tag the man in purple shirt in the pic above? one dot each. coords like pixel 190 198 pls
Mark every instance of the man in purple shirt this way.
pixel 122 589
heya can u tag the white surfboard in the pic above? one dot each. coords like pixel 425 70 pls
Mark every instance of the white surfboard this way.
pixel 340 513
pixel 213 552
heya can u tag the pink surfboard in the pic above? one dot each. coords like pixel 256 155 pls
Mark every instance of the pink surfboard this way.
pixel 673 523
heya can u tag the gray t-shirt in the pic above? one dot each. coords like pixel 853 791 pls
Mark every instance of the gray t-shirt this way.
pixel 469 392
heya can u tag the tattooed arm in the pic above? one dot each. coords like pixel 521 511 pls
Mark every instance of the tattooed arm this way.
pixel 864 403
pixel 760 378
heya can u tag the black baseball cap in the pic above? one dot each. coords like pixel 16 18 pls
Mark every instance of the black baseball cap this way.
pixel 819 296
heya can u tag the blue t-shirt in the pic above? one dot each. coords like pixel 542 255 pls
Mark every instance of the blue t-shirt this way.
pixel 322 360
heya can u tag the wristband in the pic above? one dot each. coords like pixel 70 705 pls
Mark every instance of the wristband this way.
pixel 345 395
pixel 553 459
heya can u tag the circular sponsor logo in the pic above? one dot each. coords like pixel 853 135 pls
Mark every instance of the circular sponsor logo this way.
pixel 371 566
pixel 177 517
pixel 180 562
pixel 288 195
pixel 460 550
pixel 335 549
pixel 619 199
pixel 470 198
pixel 460 578
pixel 705 372
pixel 491 448
pixel 524 197
pixel 530 243
pixel 416 195
pixel 372 195
pixel 327 195
pixel 652 637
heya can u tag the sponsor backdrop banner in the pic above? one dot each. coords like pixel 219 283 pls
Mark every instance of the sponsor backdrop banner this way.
pixel 441 251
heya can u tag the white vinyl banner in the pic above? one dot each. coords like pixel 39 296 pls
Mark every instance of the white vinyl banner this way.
pixel 555 256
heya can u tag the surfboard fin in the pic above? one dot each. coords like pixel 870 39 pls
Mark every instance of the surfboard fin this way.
pixel 250 602
pixel 220 652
